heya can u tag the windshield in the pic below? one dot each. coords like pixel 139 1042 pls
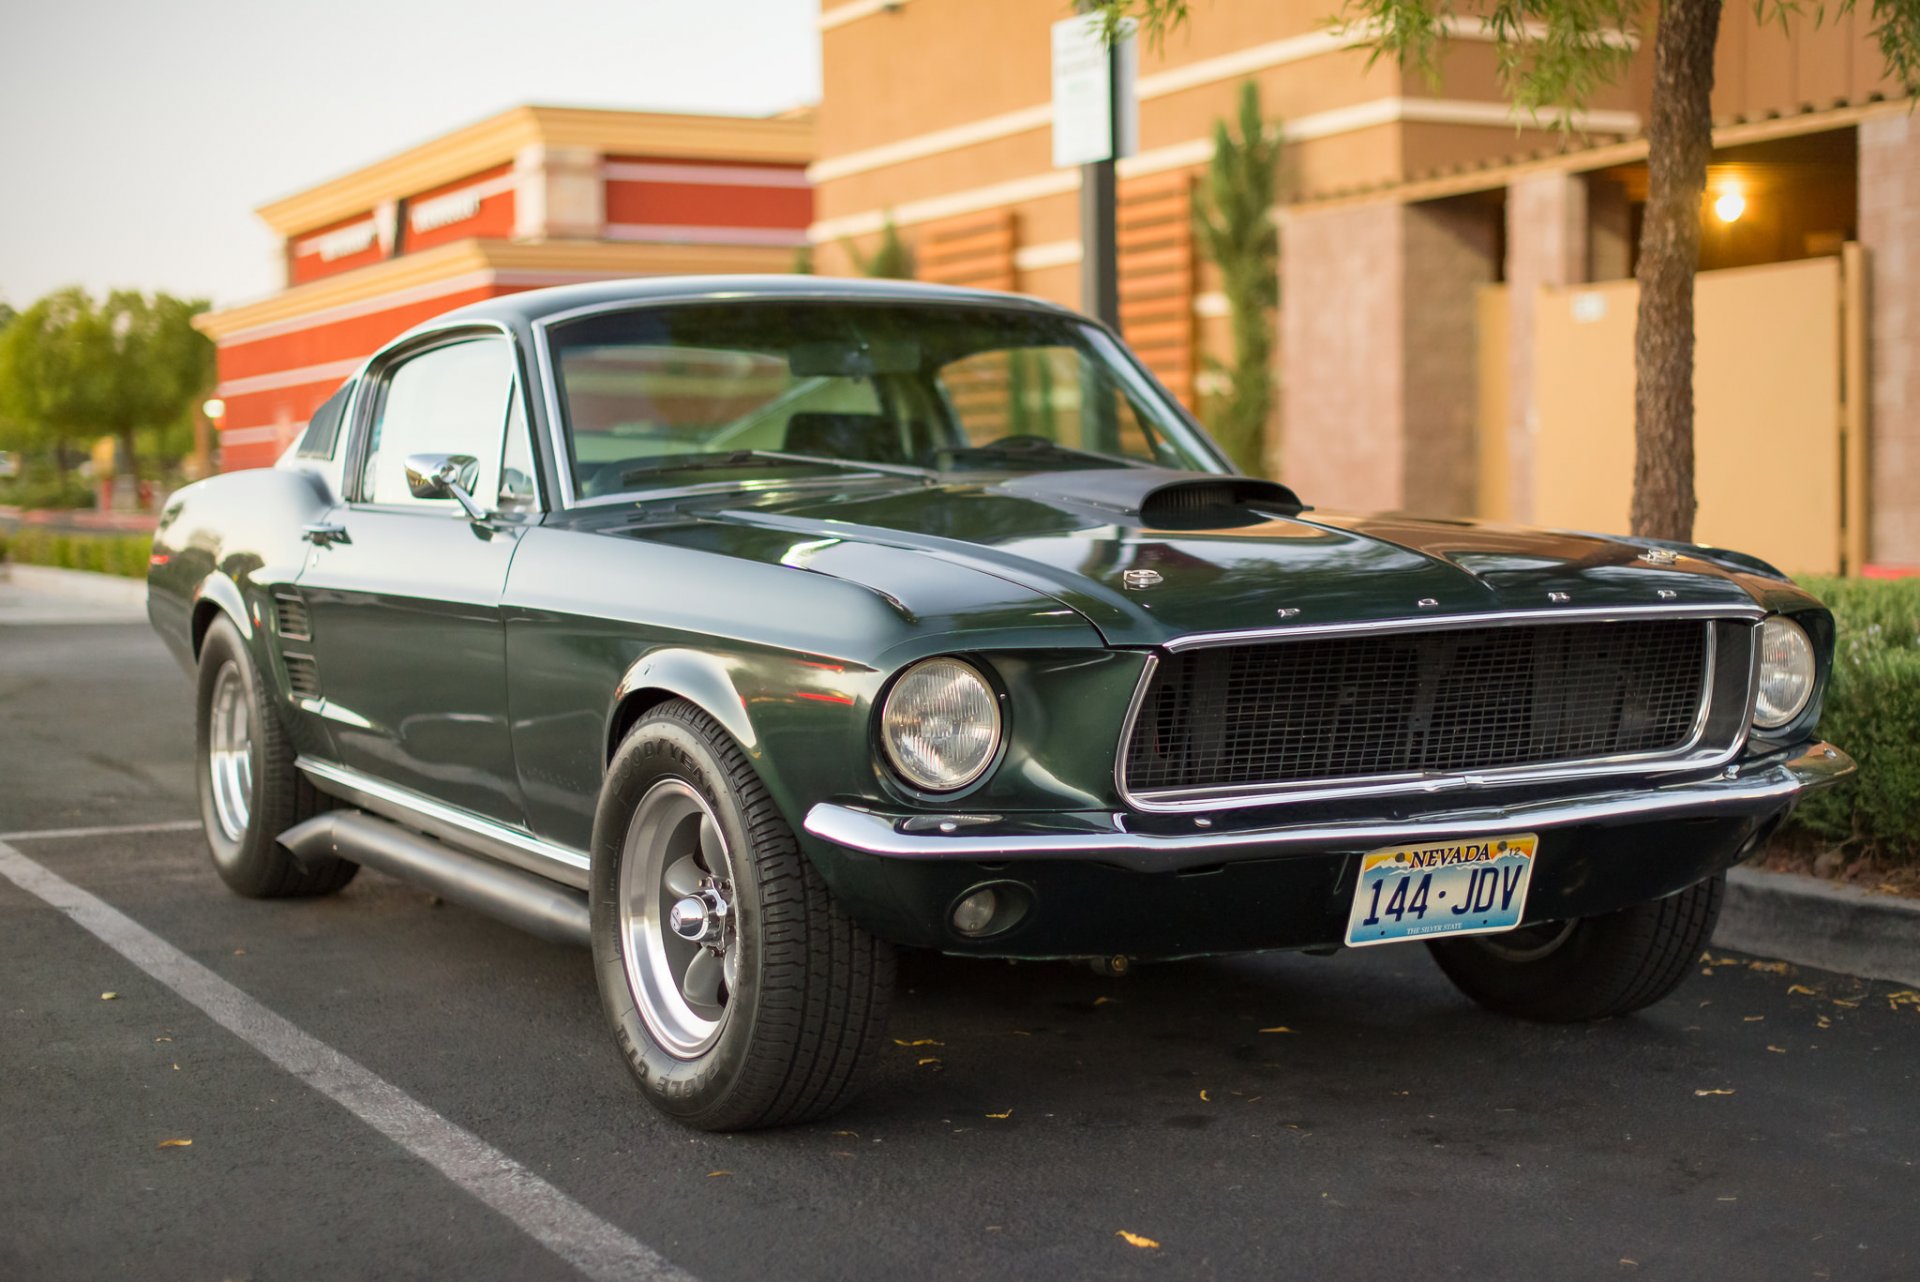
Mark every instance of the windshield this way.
pixel 653 397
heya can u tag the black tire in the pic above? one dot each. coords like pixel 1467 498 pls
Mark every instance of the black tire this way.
pixel 805 1013
pixel 1590 968
pixel 245 848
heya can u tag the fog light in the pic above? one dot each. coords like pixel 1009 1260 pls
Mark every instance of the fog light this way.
pixel 972 915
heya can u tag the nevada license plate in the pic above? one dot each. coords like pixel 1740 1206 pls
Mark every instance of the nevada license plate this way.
pixel 1472 886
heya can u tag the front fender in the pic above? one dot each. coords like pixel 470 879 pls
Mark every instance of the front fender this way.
pixel 675 673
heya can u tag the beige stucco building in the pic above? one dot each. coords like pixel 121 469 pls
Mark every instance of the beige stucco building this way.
pixel 1440 258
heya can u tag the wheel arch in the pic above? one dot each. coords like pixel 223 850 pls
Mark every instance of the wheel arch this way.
pixel 665 675
pixel 217 595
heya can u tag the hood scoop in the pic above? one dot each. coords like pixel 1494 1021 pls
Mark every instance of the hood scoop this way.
pixel 1160 498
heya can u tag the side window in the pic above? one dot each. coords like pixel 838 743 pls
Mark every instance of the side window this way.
pixel 516 473
pixel 324 427
pixel 447 400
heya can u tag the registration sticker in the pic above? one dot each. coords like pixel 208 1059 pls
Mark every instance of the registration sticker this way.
pixel 1470 886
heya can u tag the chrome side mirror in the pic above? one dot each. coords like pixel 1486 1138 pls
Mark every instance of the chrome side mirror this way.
pixel 446 476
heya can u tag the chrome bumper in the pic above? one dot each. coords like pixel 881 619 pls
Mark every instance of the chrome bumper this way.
pixel 1765 788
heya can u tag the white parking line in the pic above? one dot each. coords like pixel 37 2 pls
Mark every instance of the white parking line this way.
pixel 581 1238
pixel 48 834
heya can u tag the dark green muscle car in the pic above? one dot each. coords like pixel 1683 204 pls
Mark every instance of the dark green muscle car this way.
pixel 746 629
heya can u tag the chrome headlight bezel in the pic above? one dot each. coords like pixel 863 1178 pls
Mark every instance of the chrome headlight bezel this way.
pixel 916 767
pixel 1786 653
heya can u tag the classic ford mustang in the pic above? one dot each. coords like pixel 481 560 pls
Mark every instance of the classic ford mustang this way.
pixel 746 628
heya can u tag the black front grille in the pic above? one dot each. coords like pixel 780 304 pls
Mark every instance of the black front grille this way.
pixel 1245 717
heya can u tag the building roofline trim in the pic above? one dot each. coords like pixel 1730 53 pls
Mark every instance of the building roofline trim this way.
pixel 1498 174
pixel 461 265
pixel 499 139
pixel 1197 151
pixel 1172 80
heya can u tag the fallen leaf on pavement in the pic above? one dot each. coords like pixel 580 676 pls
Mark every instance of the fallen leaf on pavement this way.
pixel 1840 1001
pixel 918 1041
pixel 1751 1019
pixel 1713 1092
pixel 175 1144
pixel 1905 997
pixel 714 1175
pixel 1277 1028
pixel 239 952
pixel 163 1039
pixel 1134 1239
pixel 107 997
pixel 1205 1098
pixel 1001 1117
pixel 1101 1001
pixel 1778 1050
pixel 926 1060
pixel 1823 1021
pixel 1800 990
pixel 1771 968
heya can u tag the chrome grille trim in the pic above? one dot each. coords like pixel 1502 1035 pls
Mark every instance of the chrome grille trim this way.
pixel 1692 755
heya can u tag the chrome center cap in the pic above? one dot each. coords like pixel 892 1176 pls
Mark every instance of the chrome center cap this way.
pixel 699 918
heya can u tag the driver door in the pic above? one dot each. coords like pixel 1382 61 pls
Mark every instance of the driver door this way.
pixel 403 593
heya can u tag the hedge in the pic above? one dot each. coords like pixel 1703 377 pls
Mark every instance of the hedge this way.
pixel 1872 711
pixel 122 554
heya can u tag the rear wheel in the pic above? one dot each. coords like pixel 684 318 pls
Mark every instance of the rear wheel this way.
pixel 740 994
pixel 1590 967
pixel 250 792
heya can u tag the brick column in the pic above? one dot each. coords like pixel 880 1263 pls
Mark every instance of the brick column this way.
pixel 1890 230
pixel 1377 333
pixel 559 194
pixel 1546 245
pixel 1341 356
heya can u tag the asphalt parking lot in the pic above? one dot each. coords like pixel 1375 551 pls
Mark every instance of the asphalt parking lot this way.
pixel 1346 1117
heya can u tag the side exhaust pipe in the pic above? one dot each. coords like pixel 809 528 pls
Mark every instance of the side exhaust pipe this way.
pixel 537 906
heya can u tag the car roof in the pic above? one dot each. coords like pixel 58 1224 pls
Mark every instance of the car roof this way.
pixel 539 304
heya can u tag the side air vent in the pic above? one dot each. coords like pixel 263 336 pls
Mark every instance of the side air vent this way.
pixel 290 617
pixel 303 677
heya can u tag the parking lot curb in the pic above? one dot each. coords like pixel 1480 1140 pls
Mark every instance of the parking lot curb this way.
pixel 76 585
pixel 1814 922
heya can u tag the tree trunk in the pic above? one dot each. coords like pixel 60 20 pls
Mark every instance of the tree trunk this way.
pixel 1679 142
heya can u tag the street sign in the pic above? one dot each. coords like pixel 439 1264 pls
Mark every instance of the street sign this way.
pixel 1093 93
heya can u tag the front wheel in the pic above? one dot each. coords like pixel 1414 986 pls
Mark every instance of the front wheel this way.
pixel 740 994
pixel 1590 967
pixel 250 791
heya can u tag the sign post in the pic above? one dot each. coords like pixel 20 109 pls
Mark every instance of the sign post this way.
pixel 1095 122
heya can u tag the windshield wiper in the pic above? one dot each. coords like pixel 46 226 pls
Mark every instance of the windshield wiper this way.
pixel 1037 450
pixel 751 458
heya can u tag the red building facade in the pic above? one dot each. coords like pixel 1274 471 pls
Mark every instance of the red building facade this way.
pixel 532 197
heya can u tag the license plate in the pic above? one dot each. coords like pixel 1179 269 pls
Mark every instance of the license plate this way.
pixel 1471 886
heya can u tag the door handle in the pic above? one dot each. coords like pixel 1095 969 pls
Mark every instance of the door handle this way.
pixel 325 534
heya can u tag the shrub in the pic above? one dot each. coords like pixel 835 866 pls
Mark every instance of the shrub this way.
pixel 1872 711
pixel 121 554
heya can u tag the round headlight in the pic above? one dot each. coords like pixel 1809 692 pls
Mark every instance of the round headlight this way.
pixel 1786 673
pixel 940 725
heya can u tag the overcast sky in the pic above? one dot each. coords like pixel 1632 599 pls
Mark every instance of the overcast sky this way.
pixel 137 136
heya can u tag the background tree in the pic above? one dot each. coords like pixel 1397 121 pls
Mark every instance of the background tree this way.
pixel 1552 56
pixel 1233 219
pixel 133 364
pixel 890 259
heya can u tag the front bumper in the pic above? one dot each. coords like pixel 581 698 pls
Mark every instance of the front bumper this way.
pixel 1100 884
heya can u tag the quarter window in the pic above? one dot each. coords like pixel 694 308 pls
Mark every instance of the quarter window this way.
pixel 449 400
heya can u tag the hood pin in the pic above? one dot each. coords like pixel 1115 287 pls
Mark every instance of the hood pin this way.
pixel 1136 580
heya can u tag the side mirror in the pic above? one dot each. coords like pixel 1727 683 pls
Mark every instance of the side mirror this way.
pixel 446 476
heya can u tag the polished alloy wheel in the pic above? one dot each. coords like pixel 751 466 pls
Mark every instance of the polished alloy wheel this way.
pixel 676 917
pixel 230 752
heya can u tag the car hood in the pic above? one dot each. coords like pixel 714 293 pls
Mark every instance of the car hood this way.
pixel 1261 563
